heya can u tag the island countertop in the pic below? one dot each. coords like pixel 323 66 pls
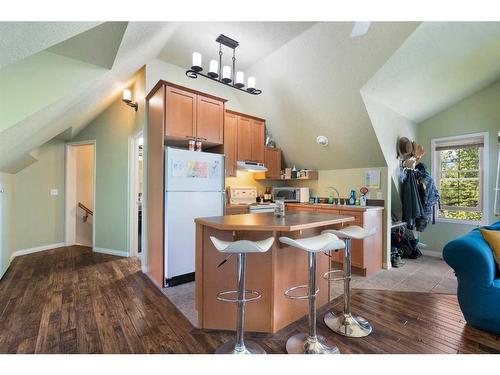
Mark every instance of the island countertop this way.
pixel 292 221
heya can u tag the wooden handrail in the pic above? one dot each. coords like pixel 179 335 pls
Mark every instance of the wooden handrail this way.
pixel 87 210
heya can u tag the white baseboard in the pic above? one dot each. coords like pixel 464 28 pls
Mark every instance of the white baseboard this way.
pixel 37 249
pixel 435 254
pixel 111 252
pixel 82 244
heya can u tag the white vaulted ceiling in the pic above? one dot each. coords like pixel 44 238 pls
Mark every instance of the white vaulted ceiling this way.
pixel 56 77
pixel 440 64
pixel 257 40
pixel 19 40
pixel 58 91
pixel 311 86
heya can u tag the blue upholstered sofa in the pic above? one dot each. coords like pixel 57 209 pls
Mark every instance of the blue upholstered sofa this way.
pixel 478 279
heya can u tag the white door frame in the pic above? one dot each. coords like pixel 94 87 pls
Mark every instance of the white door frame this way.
pixel 133 184
pixel 70 192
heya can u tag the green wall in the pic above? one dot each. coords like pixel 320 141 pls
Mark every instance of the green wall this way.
pixel 477 113
pixel 112 130
pixel 40 80
pixel 39 217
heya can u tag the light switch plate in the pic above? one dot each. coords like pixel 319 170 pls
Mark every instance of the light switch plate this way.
pixel 54 191
pixel 379 195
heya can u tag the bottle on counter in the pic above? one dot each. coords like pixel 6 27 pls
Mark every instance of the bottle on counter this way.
pixel 267 195
pixel 352 198
pixel 197 146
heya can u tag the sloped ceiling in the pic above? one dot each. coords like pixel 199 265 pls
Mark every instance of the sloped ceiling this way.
pixel 257 40
pixel 440 64
pixel 83 46
pixel 311 86
pixel 77 106
pixel 22 39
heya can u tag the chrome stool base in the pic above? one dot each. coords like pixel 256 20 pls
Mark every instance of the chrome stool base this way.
pixel 302 344
pixel 230 347
pixel 348 325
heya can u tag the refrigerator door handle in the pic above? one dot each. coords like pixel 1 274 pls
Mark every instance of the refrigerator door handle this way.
pixel 223 203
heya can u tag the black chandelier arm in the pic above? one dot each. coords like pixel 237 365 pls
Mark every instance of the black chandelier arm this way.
pixel 193 74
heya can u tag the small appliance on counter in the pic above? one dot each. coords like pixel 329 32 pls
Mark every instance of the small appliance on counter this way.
pixel 291 194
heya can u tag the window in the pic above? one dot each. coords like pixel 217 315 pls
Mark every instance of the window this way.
pixel 458 168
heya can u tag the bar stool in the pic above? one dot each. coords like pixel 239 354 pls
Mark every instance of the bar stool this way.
pixel 241 248
pixel 311 343
pixel 346 324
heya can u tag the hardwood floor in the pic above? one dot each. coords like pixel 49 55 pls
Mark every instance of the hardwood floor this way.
pixel 69 300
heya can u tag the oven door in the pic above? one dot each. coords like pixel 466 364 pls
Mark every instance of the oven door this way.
pixel 287 194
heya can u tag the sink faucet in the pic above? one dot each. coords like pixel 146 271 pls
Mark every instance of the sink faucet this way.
pixel 333 188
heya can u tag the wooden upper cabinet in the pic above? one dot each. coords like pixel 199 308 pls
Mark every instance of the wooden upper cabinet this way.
pixel 210 120
pixel 180 116
pixel 230 143
pixel 244 139
pixel 257 140
pixel 191 114
pixel 272 160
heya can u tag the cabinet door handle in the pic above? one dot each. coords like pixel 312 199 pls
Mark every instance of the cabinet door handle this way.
pixel 195 138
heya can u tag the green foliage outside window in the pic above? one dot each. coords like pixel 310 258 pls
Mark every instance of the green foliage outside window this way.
pixel 460 184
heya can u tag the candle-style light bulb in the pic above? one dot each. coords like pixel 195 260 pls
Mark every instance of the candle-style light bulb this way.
pixel 127 96
pixel 196 62
pixel 240 80
pixel 251 82
pixel 226 74
pixel 213 70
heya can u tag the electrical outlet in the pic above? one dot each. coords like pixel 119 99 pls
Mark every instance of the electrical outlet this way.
pixel 54 192
pixel 379 195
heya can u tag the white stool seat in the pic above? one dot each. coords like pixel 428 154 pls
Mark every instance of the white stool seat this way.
pixel 323 242
pixel 352 231
pixel 242 246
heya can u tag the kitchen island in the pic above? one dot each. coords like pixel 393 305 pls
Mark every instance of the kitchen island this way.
pixel 269 273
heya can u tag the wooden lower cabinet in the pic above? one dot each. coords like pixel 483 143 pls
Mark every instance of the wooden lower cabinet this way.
pixel 366 255
pixel 236 209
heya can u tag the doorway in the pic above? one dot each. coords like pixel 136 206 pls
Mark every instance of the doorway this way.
pixel 80 194
pixel 136 195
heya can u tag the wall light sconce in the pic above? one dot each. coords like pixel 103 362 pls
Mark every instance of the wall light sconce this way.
pixel 127 99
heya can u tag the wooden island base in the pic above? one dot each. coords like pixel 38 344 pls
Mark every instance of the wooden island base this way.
pixel 270 273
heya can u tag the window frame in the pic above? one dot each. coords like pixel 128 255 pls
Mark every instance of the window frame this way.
pixel 483 175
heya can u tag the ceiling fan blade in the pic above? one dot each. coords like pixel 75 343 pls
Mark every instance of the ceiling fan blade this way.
pixel 360 28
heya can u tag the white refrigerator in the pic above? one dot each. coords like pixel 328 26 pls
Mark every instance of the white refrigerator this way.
pixel 194 187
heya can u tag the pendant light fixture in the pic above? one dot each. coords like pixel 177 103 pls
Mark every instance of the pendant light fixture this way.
pixel 226 74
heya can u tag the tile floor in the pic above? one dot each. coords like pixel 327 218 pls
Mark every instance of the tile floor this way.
pixel 425 274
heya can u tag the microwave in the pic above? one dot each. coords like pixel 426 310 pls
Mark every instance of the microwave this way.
pixel 291 194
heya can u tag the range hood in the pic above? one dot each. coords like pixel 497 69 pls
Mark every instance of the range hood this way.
pixel 250 166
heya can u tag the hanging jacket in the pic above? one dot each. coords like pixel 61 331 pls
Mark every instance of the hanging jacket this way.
pixel 429 195
pixel 410 198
